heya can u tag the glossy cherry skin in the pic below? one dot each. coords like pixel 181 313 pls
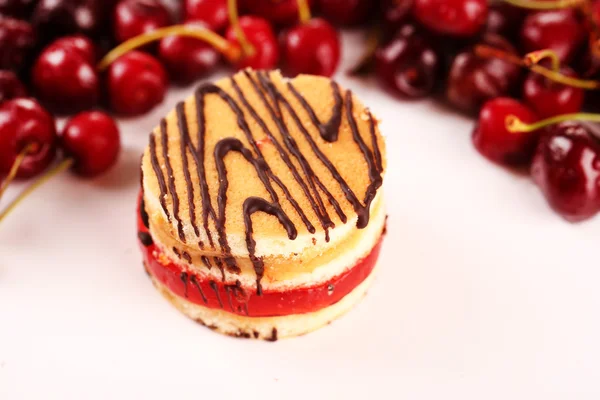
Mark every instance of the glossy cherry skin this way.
pixel 134 17
pixel 79 44
pixel 16 8
pixel 566 167
pixel 213 13
pixel 260 34
pixel 452 17
pixel 92 139
pixel 24 122
pixel 55 18
pixel 548 98
pixel 10 86
pixel 279 12
pixel 558 30
pixel 504 19
pixel 409 64
pixel 394 14
pixel 473 80
pixel 346 12
pixel 136 82
pixel 187 59
pixel 311 48
pixel 492 139
pixel 64 78
pixel 17 41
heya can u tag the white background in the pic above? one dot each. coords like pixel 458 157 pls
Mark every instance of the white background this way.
pixel 483 292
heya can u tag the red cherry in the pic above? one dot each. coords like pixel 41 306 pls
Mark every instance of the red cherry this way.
pixel 473 80
pixel 494 141
pixel 346 12
pixel 409 64
pixel 504 19
pixel 452 17
pixel 10 86
pixel 260 34
pixel 279 12
pixel 16 43
pixel 186 58
pixel 23 122
pixel 55 18
pixel 134 17
pixel 211 12
pixel 548 98
pixel 64 79
pixel 136 83
pixel 558 30
pixel 394 14
pixel 311 48
pixel 92 139
pixel 566 167
pixel 79 44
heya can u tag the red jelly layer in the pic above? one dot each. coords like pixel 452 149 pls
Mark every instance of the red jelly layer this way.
pixel 241 300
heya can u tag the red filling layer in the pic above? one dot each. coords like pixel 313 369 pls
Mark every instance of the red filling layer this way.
pixel 241 300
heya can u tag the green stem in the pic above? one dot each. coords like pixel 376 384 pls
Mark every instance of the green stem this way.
pixel 514 124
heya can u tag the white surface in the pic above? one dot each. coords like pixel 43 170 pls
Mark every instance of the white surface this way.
pixel 483 292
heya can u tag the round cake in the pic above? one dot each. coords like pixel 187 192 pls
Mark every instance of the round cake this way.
pixel 261 213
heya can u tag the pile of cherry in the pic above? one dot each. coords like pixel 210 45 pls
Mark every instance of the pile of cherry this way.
pixel 527 69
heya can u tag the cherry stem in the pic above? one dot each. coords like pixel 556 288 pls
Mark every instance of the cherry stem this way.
pixel 63 165
pixel 545 5
pixel 489 52
pixel 234 21
pixel 219 43
pixel 303 11
pixel 535 57
pixel 15 167
pixel 514 124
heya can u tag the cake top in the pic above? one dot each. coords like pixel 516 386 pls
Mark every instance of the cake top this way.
pixel 258 156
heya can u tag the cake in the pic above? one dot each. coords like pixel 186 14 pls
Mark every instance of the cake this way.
pixel 261 213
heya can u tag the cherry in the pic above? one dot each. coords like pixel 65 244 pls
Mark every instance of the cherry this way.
pixel 566 167
pixel 311 48
pixel 64 78
pixel 79 44
pixel 10 86
pixel 24 123
pixel 408 64
pixel 473 80
pixel 279 12
pixel 494 141
pixel 260 34
pixel 452 17
pixel 504 19
pixel 134 17
pixel 558 30
pixel 16 43
pixel 213 13
pixel 548 98
pixel 16 8
pixel 136 83
pixel 54 18
pixel 92 140
pixel 346 12
pixel 186 58
pixel 394 14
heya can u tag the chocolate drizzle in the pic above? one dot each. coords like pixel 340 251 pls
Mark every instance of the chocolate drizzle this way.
pixel 195 283
pixel 184 276
pixel 278 107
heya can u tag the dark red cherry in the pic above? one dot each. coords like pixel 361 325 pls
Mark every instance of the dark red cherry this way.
pixel 10 86
pixel 16 8
pixel 185 58
pixel 558 30
pixel 64 78
pixel 452 17
pixel 136 82
pixel 260 34
pixel 279 12
pixel 134 17
pixel 346 12
pixel 23 123
pixel 394 14
pixel 211 12
pixel 548 98
pixel 92 140
pixel 473 80
pixel 492 138
pixel 311 48
pixel 566 167
pixel 504 19
pixel 54 18
pixel 17 40
pixel 409 64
